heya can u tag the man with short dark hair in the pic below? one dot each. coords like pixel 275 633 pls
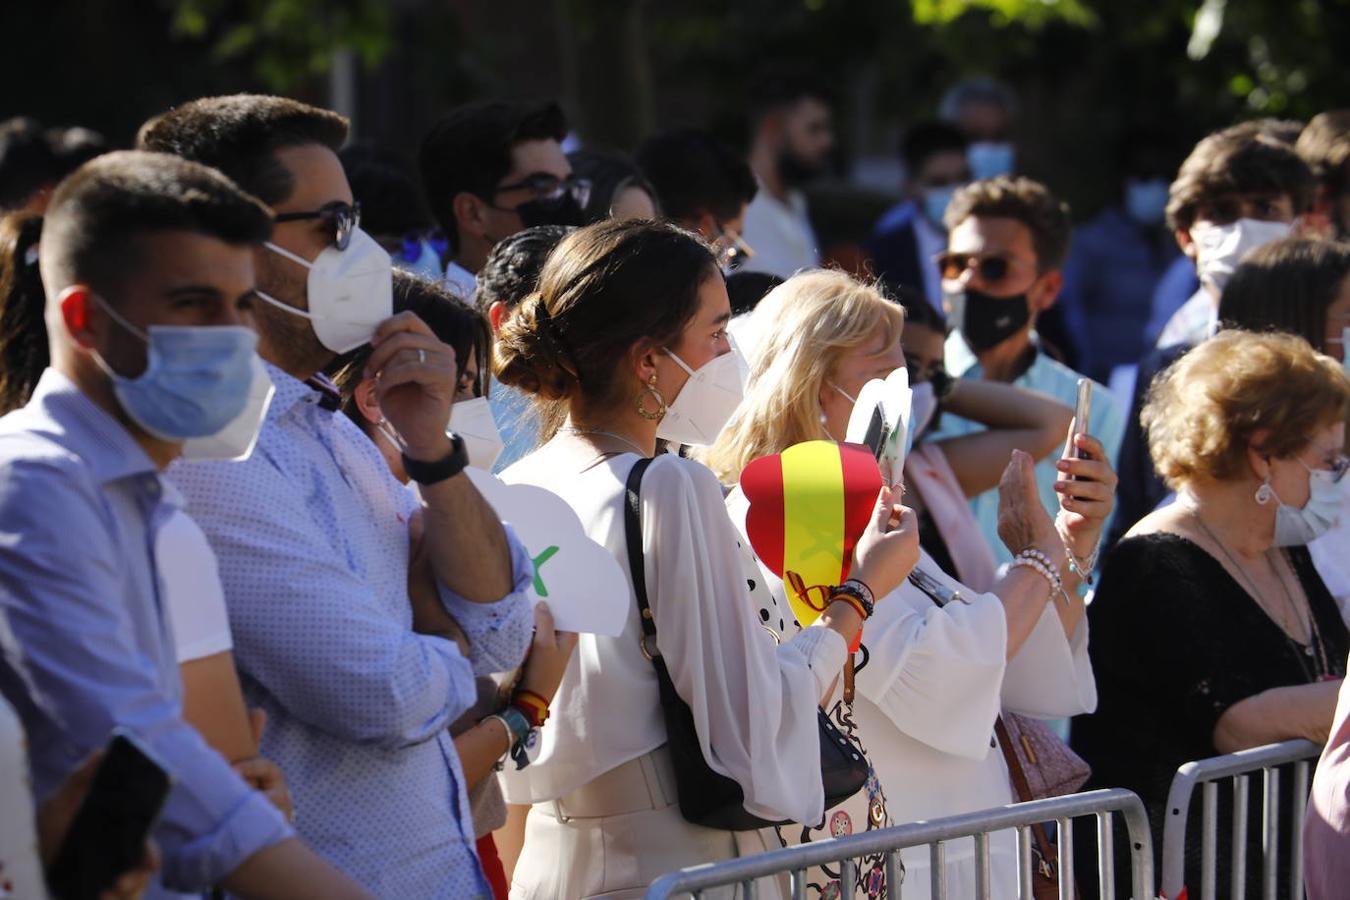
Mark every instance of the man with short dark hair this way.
pixel 1007 241
pixel 1117 259
pixel 703 185
pixel 791 136
pixel 1325 146
pixel 985 110
pixel 147 262
pixel 340 618
pixel 1240 188
pixel 493 168
pixel 910 234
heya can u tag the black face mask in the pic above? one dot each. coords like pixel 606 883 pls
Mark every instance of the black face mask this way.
pixel 985 321
pixel 561 210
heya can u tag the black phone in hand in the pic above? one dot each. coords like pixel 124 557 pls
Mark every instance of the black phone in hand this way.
pixel 107 837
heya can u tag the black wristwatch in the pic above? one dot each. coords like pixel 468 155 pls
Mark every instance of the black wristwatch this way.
pixel 448 467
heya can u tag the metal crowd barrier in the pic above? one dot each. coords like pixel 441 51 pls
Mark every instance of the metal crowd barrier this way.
pixel 794 861
pixel 1238 766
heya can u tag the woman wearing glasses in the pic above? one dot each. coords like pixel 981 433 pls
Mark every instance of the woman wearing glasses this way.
pixel 1212 632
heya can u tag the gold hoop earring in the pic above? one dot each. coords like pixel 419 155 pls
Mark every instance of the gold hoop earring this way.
pixel 650 390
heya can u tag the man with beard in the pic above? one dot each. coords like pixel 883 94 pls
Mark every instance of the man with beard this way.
pixel 1007 241
pixel 492 169
pixel 790 142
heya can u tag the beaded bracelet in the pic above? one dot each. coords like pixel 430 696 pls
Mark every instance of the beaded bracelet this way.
pixel 1033 559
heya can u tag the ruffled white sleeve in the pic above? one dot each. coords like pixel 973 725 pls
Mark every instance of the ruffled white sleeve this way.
pixel 754 702
pixel 936 672
pixel 1051 676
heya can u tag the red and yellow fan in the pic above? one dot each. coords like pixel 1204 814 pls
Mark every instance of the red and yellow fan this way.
pixel 809 506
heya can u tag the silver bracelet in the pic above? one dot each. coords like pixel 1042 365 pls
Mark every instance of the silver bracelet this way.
pixel 1085 567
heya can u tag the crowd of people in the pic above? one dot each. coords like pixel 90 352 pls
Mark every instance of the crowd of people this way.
pixel 247 369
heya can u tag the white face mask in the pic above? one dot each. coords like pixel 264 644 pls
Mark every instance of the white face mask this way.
pixel 1344 341
pixel 350 291
pixel 473 421
pixel 1219 248
pixel 707 401
pixel 1296 526
pixel 923 406
pixel 236 440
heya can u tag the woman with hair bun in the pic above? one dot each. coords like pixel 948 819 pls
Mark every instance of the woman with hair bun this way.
pixel 627 336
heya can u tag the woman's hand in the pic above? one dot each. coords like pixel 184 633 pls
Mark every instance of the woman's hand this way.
pixel 889 548
pixel 1022 521
pixel 548 657
pixel 1086 501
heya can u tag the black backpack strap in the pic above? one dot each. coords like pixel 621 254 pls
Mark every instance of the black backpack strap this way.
pixel 632 521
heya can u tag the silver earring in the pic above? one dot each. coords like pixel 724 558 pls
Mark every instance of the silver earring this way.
pixel 1265 492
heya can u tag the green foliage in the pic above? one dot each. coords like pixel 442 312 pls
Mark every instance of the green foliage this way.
pixel 286 43
pixel 1031 13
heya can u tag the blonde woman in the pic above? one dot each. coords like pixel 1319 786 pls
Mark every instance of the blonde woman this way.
pixel 930 679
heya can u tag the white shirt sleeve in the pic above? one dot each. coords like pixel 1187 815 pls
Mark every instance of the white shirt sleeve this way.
pixel 192 591
pixel 1051 676
pixel 936 672
pixel 754 703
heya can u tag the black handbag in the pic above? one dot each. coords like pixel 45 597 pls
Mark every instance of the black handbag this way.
pixel 707 797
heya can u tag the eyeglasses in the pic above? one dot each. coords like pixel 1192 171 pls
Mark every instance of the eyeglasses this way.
pixel 549 188
pixel 343 218
pixel 991 269
pixel 731 249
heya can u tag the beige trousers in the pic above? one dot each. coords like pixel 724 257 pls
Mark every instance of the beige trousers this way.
pixel 609 839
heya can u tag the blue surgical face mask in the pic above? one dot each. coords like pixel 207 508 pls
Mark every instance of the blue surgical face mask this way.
pixel 196 379
pixel 1146 200
pixel 1299 525
pixel 989 159
pixel 935 202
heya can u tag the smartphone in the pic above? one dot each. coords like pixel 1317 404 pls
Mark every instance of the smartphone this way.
pixel 107 837
pixel 1081 412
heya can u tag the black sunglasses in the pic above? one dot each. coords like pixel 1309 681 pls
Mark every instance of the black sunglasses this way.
pixel 990 268
pixel 549 187
pixel 343 218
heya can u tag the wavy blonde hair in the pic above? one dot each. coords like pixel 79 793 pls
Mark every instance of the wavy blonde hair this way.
pixel 809 322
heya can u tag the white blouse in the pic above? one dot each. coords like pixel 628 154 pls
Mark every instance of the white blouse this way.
pixel 754 702
pixel 929 683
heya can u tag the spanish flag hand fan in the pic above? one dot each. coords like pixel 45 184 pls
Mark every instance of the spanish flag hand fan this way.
pixel 808 507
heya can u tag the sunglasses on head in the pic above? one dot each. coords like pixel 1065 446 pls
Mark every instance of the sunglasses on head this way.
pixel 990 268
pixel 342 218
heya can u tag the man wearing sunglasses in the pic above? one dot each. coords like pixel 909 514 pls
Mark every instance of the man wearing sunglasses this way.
pixel 1007 241
pixel 493 169
pixel 338 617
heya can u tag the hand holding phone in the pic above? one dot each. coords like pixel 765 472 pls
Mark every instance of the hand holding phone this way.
pixel 107 838
pixel 1082 412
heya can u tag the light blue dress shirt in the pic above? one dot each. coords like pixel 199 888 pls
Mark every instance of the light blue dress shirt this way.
pixel 1106 423
pixel 80 505
pixel 312 537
